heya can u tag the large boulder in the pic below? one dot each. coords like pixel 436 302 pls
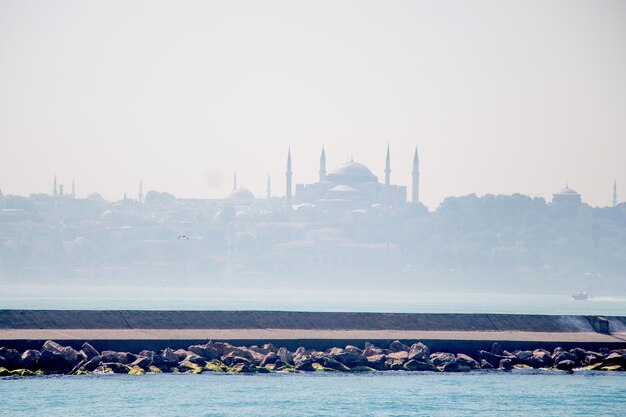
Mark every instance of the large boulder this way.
pixel 465 360
pixel 305 365
pixel 166 359
pixel 348 359
pixel 270 347
pixel 92 364
pixel 131 357
pixel 353 350
pixel 565 365
pixel 143 363
pixel 415 365
pixel 195 359
pixel 148 354
pixel 243 368
pixel 89 351
pixel 522 355
pixel 12 359
pixel 71 355
pixel 271 359
pixel 224 349
pixel 399 356
pixel 485 364
pixel 539 359
pixel 441 358
pixel 303 357
pixel 371 350
pixel 506 364
pixel 492 358
pixel 394 365
pixel 78 368
pixel 54 362
pixel 377 362
pixel 579 354
pixel 419 352
pixel 615 358
pixel 278 365
pixel 561 355
pixel 51 346
pixel 284 355
pixel 30 358
pixel 592 359
pixel 257 357
pixel 116 367
pixel 110 356
pixel 206 351
pixel 233 358
pixel 397 346
pixel 181 354
pixel 330 363
pixel 455 366
pixel 261 350
pixel 189 367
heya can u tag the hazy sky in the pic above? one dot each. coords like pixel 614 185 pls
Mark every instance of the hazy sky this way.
pixel 499 96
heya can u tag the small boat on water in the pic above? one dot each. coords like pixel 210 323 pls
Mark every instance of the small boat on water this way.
pixel 580 296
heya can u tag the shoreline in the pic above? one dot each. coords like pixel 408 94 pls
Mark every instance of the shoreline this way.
pixel 224 357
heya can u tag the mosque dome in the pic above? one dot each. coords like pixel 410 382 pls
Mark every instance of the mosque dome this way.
pixel 567 190
pixel 240 194
pixel 351 172
pixel 566 195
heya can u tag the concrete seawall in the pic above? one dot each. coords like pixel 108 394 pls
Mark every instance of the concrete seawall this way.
pixel 135 330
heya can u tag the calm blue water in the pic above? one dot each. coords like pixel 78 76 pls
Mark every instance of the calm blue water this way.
pixel 404 301
pixel 490 393
pixel 382 394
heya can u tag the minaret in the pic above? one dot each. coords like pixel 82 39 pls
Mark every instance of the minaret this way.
pixel 388 168
pixel 415 190
pixel 288 174
pixel 614 193
pixel 269 187
pixel 73 189
pixel 140 195
pixel 235 182
pixel 54 186
pixel 323 166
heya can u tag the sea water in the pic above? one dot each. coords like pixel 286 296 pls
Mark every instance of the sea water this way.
pixel 479 393
pixel 388 301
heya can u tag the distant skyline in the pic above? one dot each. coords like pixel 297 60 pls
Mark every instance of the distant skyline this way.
pixel 499 97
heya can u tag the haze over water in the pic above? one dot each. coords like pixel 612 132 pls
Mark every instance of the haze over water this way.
pixel 194 298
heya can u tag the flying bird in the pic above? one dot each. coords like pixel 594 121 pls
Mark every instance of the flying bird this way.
pixel 183 237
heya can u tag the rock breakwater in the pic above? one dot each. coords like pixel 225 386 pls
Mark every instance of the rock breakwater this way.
pixel 54 358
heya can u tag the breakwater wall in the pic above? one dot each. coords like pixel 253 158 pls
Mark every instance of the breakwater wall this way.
pixel 133 330
pixel 155 319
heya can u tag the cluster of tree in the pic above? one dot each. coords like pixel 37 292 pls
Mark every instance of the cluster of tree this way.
pixel 494 238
